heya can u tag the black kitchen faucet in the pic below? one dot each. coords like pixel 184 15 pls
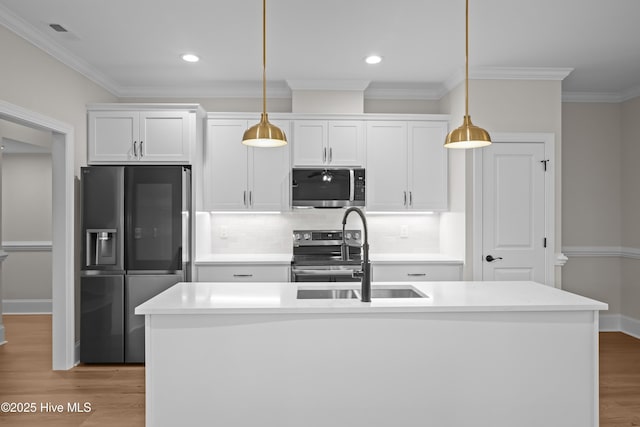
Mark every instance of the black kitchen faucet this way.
pixel 365 273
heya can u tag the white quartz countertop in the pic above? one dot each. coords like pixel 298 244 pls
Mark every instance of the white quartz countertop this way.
pixel 280 298
pixel 285 258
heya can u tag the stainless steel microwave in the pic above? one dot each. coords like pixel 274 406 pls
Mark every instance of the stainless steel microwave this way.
pixel 327 187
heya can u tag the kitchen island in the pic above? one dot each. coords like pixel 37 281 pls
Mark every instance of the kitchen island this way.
pixel 464 354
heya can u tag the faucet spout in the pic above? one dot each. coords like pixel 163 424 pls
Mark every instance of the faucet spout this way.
pixel 365 272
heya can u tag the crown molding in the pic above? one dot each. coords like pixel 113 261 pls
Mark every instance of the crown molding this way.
pixel 507 73
pixel 25 30
pixel 218 89
pixel 604 97
pixel 408 91
pixel 342 85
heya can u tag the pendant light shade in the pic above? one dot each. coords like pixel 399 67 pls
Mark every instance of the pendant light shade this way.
pixel 468 135
pixel 264 134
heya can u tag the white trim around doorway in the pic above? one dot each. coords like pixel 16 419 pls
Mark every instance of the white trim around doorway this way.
pixel 63 221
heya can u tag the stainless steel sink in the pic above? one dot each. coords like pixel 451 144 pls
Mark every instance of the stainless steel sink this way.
pixel 376 292
pixel 326 293
pixel 395 293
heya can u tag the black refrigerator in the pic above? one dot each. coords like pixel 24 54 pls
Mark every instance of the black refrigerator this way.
pixel 136 226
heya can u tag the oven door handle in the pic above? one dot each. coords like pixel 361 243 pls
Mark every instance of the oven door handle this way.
pixel 323 272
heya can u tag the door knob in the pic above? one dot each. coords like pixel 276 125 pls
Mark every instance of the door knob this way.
pixel 490 258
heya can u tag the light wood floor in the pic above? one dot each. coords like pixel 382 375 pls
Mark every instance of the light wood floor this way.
pixel 116 393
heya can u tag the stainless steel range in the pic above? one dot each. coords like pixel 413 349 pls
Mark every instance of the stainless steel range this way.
pixel 319 255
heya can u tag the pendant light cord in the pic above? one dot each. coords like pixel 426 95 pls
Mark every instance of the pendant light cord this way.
pixel 264 56
pixel 466 63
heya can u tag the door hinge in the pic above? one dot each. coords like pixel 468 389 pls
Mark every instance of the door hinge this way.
pixel 544 163
pixel 544 242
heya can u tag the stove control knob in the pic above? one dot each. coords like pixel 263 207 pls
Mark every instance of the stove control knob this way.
pixel 348 236
pixel 307 236
pixel 296 236
pixel 357 236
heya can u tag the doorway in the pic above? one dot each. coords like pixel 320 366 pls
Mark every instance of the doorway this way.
pixel 514 209
pixel 63 220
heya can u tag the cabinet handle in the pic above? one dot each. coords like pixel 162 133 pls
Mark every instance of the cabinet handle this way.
pixel 410 198
pixel 324 155
pixel 244 197
pixel 405 198
pixel 135 148
pixel 330 155
pixel 243 275
pixel 416 274
pixel 141 149
pixel 250 198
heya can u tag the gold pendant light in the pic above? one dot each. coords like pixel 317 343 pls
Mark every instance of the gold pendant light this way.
pixel 264 134
pixel 468 135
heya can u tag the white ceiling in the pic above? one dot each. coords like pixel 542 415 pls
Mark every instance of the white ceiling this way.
pixel 133 48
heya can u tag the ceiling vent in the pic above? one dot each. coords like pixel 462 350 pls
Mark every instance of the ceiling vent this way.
pixel 58 28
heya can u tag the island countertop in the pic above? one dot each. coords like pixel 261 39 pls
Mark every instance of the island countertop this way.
pixel 281 298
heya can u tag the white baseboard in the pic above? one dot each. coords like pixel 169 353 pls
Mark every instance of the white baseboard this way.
pixel 630 326
pixel 2 340
pixel 620 323
pixel 26 306
pixel 610 322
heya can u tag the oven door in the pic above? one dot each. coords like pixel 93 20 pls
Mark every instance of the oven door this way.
pixel 305 274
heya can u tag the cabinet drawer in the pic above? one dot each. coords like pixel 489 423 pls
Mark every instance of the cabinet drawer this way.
pixel 243 273
pixel 421 272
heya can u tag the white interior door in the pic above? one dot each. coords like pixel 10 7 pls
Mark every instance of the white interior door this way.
pixel 513 212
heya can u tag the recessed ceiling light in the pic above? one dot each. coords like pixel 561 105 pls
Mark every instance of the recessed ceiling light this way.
pixel 190 57
pixel 373 59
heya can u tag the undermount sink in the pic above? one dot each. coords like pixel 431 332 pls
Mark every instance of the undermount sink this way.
pixel 326 293
pixel 376 292
pixel 395 293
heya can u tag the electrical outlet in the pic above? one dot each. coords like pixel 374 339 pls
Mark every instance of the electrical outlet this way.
pixel 224 232
pixel 404 231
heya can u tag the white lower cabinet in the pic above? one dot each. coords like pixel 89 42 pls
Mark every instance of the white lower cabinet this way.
pixel 243 272
pixel 403 272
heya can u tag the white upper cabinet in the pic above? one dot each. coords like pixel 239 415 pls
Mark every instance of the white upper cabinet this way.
pixel 332 143
pixel 238 177
pixel 428 166
pixel 387 165
pixel 406 166
pixel 131 136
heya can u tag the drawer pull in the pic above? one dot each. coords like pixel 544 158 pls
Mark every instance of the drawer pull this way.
pixel 416 274
pixel 243 275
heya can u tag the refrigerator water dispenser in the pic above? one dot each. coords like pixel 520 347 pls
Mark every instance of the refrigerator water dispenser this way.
pixel 101 247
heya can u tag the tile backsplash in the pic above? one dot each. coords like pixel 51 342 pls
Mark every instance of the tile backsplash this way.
pixel 242 233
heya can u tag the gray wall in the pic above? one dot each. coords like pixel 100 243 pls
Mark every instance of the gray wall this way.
pixel 26 229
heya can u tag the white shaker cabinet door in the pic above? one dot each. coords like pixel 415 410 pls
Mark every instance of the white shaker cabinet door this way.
pixel 112 135
pixel 310 146
pixel 165 136
pixel 269 175
pixel 427 172
pixel 226 165
pixel 387 166
pixel 345 143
